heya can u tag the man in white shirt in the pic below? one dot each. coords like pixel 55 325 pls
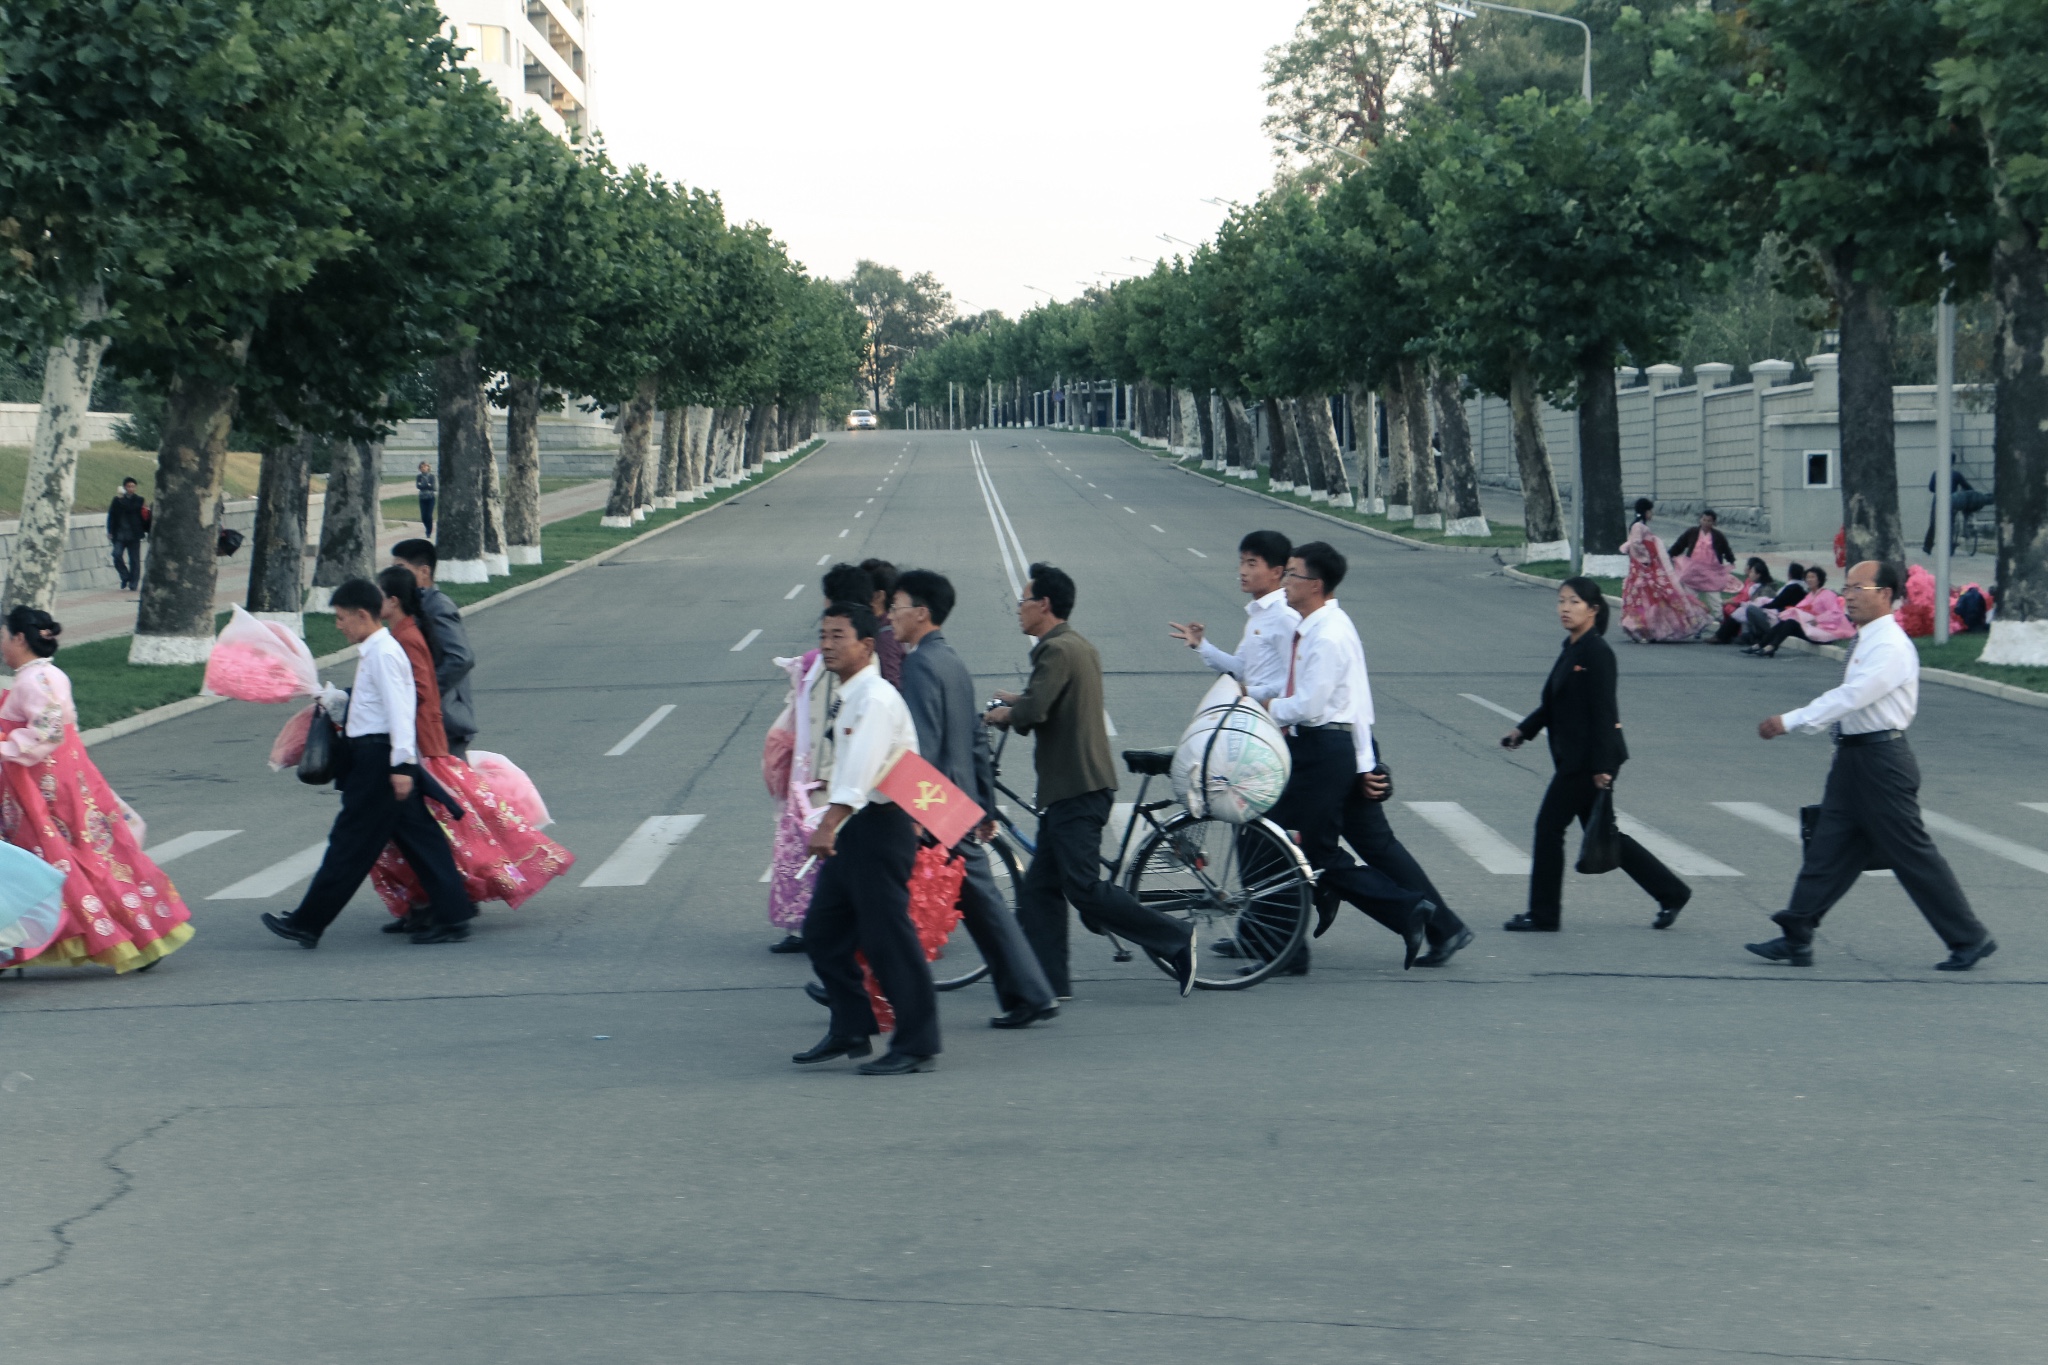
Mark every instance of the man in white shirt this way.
pixel 1870 813
pixel 383 789
pixel 1261 659
pixel 869 846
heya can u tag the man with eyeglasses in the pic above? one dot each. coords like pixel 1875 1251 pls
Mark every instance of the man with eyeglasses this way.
pixel 1076 782
pixel 1870 811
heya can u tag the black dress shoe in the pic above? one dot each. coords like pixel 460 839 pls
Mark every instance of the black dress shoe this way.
pixel 1523 924
pixel 817 993
pixel 1783 950
pixel 790 944
pixel 443 933
pixel 404 924
pixel 1667 915
pixel 894 1063
pixel 1417 937
pixel 1183 965
pixel 1962 959
pixel 832 1045
pixel 284 928
pixel 1227 947
pixel 1024 1016
pixel 1445 951
pixel 1328 907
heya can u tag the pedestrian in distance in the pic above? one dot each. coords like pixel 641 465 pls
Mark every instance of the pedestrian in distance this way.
pixel 1062 705
pixel 383 788
pixel 454 660
pixel 882 590
pixel 867 847
pixel 1870 810
pixel 424 484
pixel 127 524
pixel 1581 710
pixel 940 693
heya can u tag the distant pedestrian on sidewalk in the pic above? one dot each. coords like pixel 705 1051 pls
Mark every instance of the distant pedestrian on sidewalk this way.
pixel 1583 715
pixel 1870 812
pixel 454 660
pixel 428 489
pixel 127 524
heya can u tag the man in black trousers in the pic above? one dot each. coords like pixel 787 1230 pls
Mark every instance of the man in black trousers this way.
pixel 448 639
pixel 126 527
pixel 1871 808
pixel 939 691
pixel 383 791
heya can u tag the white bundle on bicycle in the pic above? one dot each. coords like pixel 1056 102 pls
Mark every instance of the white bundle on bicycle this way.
pixel 1232 761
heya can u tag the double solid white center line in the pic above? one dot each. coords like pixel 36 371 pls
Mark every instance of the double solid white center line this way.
pixel 1015 562
pixel 640 731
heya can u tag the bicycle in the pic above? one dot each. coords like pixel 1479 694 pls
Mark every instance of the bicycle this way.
pixel 1248 882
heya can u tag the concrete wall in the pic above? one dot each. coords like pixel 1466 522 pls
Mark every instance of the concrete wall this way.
pixel 573 444
pixel 89 560
pixel 18 423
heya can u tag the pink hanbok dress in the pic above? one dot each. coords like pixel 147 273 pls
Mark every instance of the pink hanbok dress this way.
pixel 1704 571
pixel 120 910
pixel 1655 605
pixel 1822 615
pixel 789 894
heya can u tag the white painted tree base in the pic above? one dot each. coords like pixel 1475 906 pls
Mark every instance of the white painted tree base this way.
pixel 1399 511
pixel 497 565
pixel 2017 642
pixel 1605 566
pixel 462 571
pixel 1319 495
pixel 1546 549
pixel 522 554
pixel 153 651
pixel 1248 473
pixel 1467 526
pixel 294 621
pixel 318 601
pixel 615 523
pixel 664 504
pixel 640 514
pixel 1429 521
pixel 1375 507
pixel 1343 500
pixel 1280 487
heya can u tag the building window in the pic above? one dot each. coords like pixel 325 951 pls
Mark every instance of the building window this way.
pixel 489 45
pixel 1820 468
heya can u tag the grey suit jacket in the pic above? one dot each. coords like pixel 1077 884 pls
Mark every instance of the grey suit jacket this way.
pixel 939 691
pixel 453 660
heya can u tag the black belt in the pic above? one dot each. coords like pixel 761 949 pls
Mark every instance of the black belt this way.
pixel 1343 725
pixel 1869 737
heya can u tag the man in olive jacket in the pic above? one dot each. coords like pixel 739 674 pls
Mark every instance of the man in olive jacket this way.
pixel 1076 781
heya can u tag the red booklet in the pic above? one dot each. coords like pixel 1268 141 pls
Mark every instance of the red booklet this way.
pixel 931 800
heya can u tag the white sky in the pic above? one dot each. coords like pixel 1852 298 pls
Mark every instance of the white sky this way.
pixel 1031 144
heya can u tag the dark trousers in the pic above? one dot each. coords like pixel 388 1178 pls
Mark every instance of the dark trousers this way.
pixel 1571 798
pixel 371 817
pixel 1872 802
pixel 427 515
pixel 1372 838
pixel 862 904
pixel 1780 633
pixel 1012 966
pixel 1732 626
pixel 1067 870
pixel 128 561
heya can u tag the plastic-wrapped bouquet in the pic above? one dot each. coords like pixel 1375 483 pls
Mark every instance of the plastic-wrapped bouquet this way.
pixel 260 661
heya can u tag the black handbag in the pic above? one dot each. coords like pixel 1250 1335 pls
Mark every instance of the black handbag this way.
pixel 325 757
pixel 1601 850
pixel 1809 821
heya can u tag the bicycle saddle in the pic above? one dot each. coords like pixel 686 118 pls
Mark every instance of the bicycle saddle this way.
pixel 1149 762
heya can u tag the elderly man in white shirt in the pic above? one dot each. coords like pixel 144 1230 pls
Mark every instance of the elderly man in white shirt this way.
pixel 869 846
pixel 383 789
pixel 1260 662
pixel 1870 812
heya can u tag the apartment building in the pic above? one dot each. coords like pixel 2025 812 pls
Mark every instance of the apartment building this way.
pixel 536 52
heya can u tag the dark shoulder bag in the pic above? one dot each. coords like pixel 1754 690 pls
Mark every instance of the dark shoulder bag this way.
pixel 1601 851
pixel 325 758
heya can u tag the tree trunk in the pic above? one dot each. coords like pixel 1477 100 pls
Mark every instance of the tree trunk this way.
pixel 1280 444
pixel 1399 485
pixel 348 521
pixel 758 419
pixel 1231 458
pixel 1205 424
pixel 1365 435
pixel 2019 285
pixel 1322 427
pixel 497 559
pixel 1461 480
pixel 277 551
pixel 697 426
pixel 461 520
pixel 1606 523
pixel 37 568
pixel 174 624
pixel 1300 430
pixel 1542 516
pixel 522 472
pixel 1422 481
pixel 1870 466
pixel 621 509
pixel 667 468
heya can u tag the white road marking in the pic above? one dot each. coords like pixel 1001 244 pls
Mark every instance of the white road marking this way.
pixel 1196 553
pixel 790 596
pixel 634 862
pixel 1494 707
pixel 1683 859
pixel 1777 822
pixel 1474 837
pixel 1110 496
pixel 870 499
pixel 172 849
pixel 1015 562
pixel 858 515
pixel 745 640
pixel 2010 850
pixel 842 534
pixel 1109 724
pixel 640 731
pixel 1162 530
pixel 275 879
pixel 824 559
pixel 769 875
pixel 2041 806
pixel 1132 510
pixel 1085 481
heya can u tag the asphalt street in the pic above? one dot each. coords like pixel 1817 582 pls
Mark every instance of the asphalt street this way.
pixel 578 1137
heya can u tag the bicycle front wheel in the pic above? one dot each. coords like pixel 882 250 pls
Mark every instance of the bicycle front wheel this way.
pixel 1245 882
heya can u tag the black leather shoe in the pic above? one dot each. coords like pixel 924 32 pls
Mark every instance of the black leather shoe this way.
pixel 1783 950
pixel 1523 924
pixel 790 944
pixel 1227 947
pixel 1417 937
pixel 443 933
pixel 832 1045
pixel 1667 915
pixel 1183 965
pixel 1445 951
pixel 1962 959
pixel 1328 906
pixel 284 928
pixel 817 993
pixel 404 924
pixel 894 1063
pixel 1024 1016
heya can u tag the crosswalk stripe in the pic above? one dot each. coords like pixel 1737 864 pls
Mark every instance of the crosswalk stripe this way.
pixel 769 875
pixel 2041 806
pixel 1492 706
pixel 1474 836
pixel 1777 822
pixel 1683 859
pixel 275 879
pixel 171 849
pixel 1109 724
pixel 635 861
pixel 2011 851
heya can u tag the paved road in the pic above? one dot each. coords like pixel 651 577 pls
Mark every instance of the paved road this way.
pixel 578 1139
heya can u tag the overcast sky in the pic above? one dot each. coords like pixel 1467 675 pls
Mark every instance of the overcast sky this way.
pixel 997 147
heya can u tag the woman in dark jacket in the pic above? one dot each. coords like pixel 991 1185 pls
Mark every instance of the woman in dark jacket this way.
pixel 1584 720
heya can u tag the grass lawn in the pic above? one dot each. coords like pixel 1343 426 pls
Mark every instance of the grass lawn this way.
pixel 102 466
pixel 1959 655
pixel 107 689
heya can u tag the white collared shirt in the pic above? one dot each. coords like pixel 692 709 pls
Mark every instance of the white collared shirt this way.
pixel 1880 687
pixel 1330 682
pixel 1261 659
pixel 870 724
pixel 384 700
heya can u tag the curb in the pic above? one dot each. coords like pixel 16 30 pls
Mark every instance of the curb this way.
pixel 1964 681
pixel 156 715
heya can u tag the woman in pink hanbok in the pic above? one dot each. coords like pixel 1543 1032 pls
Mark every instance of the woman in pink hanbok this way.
pixel 1820 616
pixel 1703 555
pixel 120 910
pixel 1655 605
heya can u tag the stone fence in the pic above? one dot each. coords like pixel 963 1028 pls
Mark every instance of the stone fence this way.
pixel 18 423
pixel 89 558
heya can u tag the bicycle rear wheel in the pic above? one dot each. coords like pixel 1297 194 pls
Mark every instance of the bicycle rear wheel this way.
pixel 1247 882
pixel 960 963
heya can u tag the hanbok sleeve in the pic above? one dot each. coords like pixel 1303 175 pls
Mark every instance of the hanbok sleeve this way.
pixel 37 710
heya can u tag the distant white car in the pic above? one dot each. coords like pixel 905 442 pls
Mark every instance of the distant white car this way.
pixel 860 419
